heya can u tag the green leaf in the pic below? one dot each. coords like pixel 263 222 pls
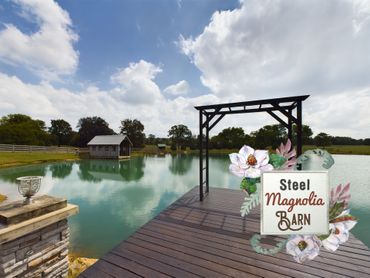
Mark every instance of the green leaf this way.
pixel 249 203
pixel 249 185
pixel 277 160
pixel 336 210
pixel 255 243
pixel 323 237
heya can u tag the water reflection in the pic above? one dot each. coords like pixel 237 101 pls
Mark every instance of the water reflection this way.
pixel 61 170
pixel 117 197
pixel 95 170
pixel 180 164
pixel 11 174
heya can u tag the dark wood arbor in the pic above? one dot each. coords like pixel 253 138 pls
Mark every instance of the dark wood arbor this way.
pixel 210 115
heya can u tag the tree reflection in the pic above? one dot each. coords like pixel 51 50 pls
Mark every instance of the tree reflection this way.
pixel 180 164
pixel 96 170
pixel 133 169
pixel 84 174
pixel 11 174
pixel 61 170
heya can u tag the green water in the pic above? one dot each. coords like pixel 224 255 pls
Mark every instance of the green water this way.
pixel 116 198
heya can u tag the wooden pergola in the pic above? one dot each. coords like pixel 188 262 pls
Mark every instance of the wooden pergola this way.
pixel 211 115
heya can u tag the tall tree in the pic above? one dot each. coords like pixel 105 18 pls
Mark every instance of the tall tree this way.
pixel 151 139
pixel 22 129
pixel 306 134
pixel 269 135
pixel 89 127
pixel 180 135
pixel 322 139
pixel 230 138
pixel 134 129
pixel 62 131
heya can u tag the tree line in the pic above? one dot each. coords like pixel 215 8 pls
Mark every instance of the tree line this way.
pixel 23 130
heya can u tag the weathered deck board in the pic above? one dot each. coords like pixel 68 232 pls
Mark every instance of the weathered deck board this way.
pixel 210 239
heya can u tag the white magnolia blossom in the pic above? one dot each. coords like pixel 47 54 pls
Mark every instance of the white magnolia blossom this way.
pixel 339 233
pixel 303 247
pixel 249 163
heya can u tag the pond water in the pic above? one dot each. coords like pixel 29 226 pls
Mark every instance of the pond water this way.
pixel 117 197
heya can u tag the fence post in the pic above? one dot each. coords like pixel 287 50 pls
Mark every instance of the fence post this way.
pixel 13 148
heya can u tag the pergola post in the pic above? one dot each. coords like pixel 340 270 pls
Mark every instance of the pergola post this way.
pixel 299 128
pixel 200 155
pixel 207 154
pixel 290 127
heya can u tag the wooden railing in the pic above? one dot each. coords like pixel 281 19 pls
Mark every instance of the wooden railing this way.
pixel 30 148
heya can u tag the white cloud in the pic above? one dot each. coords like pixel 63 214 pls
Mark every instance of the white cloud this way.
pixel 266 49
pixel 136 96
pixel 263 49
pixel 49 51
pixel 136 83
pixel 180 88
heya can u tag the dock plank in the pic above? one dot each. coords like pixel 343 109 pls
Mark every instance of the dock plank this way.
pixel 210 239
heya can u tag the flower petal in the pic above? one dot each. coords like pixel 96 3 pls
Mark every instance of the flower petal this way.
pixel 252 173
pixel 262 157
pixel 234 158
pixel 267 167
pixel 245 151
pixel 236 170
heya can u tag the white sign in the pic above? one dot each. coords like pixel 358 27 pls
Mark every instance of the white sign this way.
pixel 295 202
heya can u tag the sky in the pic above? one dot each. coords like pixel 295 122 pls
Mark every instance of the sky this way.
pixel 156 60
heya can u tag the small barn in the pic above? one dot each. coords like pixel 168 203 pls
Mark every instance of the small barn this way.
pixel 110 146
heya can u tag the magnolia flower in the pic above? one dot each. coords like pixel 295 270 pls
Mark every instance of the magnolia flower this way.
pixel 339 232
pixel 303 247
pixel 249 162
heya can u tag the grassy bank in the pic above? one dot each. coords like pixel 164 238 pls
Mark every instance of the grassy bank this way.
pixel 9 159
pixel 343 149
pixel 335 149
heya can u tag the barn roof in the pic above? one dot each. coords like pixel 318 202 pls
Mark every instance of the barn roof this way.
pixel 108 139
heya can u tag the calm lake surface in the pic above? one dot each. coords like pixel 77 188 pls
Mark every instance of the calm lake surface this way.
pixel 117 197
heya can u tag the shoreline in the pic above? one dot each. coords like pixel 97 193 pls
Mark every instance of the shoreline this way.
pixel 9 159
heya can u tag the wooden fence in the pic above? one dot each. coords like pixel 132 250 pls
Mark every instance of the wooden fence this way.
pixel 29 148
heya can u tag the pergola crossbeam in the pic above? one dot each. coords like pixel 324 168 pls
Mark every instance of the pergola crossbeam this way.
pixel 283 110
pixel 217 120
pixel 276 117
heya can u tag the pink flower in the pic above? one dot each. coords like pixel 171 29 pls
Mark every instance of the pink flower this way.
pixel 249 162
pixel 288 153
pixel 340 194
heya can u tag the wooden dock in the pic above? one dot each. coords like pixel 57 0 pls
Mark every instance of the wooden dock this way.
pixel 210 239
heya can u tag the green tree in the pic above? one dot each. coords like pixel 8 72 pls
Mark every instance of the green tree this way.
pixel 62 131
pixel 322 139
pixel 344 140
pixel 269 136
pixel 151 140
pixel 306 134
pixel 89 127
pixel 134 129
pixel 23 130
pixel 230 138
pixel 180 135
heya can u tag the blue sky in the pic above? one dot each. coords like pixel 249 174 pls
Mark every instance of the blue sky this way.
pixel 114 33
pixel 156 60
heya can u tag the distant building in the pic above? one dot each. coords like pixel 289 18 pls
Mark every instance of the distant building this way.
pixel 110 146
pixel 161 147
